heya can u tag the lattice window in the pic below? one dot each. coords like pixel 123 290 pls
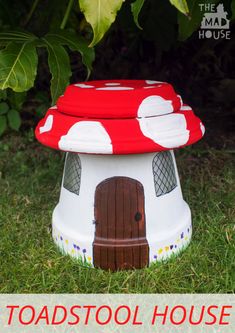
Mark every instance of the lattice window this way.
pixel 164 173
pixel 72 173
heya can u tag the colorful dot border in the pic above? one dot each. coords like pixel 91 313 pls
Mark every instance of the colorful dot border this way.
pixel 71 248
pixel 75 249
pixel 181 241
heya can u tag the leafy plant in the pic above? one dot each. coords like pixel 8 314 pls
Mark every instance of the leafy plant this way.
pixel 19 59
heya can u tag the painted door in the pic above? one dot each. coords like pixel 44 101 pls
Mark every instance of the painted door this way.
pixel 120 233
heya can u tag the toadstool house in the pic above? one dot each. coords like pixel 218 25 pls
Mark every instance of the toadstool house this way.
pixel 120 204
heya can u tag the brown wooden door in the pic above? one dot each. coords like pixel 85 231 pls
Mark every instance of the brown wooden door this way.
pixel 120 234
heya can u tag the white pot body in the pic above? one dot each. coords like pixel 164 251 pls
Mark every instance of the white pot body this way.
pixel 167 216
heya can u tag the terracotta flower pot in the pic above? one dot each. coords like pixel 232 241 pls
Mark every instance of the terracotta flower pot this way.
pixel 121 204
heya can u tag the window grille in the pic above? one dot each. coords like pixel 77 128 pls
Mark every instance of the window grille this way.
pixel 164 173
pixel 72 173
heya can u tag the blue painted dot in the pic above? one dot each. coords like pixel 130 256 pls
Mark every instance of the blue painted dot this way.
pixel 61 238
pixel 182 235
pixel 75 246
pixel 155 257
pixel 84 250
pixel 188 229
pixel 78 248
pixel 175 246
pixel 171 247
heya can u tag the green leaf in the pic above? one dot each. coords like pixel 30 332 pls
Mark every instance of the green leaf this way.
pixel 59 66
pixel 75 43
pixel 3 124
pixel 16 36
pixel 3 108
pixel 188 26
pixel 18 66
pixel 100 14
pixel 14 119
pixel 136 8
pixel 181 5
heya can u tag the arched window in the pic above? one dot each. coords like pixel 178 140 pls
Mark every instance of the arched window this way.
pixel 72 173
pixel 164 173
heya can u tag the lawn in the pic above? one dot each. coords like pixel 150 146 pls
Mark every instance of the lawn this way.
pixel 30 177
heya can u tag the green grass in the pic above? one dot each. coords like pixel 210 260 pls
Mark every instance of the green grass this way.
pixel 30 178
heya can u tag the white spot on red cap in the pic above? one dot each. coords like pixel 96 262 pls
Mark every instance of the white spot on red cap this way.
pixel 202 127
pixel 154 106
pixel 82 85
pixel 169 131
pixel 185 108
pixel 115 88
pixel 152 81
pixel 47 126
pixel 181 102
pixel 112 84
pixel 87 137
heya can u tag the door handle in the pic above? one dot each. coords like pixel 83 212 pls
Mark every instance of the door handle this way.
pixel 138 216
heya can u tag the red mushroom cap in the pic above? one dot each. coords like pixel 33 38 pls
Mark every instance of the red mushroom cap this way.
pixel 119 117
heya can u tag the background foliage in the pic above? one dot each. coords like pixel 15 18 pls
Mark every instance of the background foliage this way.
pixel 45 44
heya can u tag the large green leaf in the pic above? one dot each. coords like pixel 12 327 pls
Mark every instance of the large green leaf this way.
pixel 181 5
pixel 188 26
pixel 75 43
pixel 18 66
pixel 100 14
pixel 136 8
pixel 59 66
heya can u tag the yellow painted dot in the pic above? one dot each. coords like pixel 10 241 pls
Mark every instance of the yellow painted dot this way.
pixel 178 240
pixel 186 237
pixel 66 241
pixel 160 251
pixel 89 258
pixel 72 251
pixel 167 248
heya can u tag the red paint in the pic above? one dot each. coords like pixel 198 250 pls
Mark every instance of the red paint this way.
pixel 117 112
